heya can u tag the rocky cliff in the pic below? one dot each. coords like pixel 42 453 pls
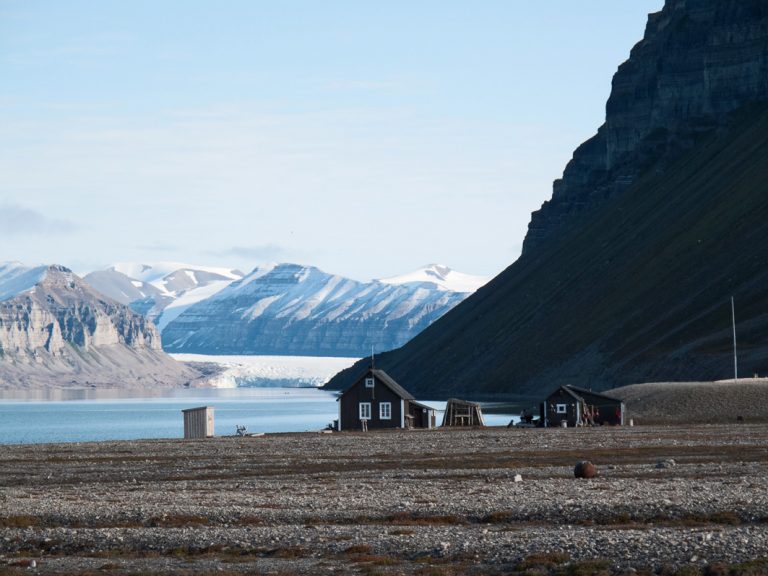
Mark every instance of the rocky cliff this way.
pixel 699 61
pixel 628 272
pixel 59 331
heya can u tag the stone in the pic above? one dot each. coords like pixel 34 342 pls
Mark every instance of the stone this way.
pixel 585 469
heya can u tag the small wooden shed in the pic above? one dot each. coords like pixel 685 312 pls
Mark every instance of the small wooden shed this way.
pixel 198 422
pixel 375 400
pixel 462 413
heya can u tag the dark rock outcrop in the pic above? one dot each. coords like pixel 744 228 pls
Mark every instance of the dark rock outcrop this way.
pixel 699 61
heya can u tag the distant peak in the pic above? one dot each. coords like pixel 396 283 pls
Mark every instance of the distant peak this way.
pixel 441 276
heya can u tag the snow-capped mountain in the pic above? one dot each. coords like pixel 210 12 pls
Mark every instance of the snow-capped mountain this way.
pixel 289 309
pixel 440 277
pixel 162 290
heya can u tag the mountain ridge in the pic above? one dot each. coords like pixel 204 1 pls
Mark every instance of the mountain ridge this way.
pixel 292 309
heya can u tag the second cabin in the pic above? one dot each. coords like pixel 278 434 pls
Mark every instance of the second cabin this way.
pixel 572 406
pixel 375 400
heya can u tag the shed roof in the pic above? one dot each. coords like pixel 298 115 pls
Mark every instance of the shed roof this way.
pixel 463 402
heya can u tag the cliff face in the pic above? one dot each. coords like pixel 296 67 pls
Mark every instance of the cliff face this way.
pixel 628 272
pixel 60 331
pixel 699 61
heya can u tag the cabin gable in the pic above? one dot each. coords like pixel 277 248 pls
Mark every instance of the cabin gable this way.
pixel 371 399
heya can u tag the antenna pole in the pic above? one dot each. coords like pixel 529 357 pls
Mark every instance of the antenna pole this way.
pixel 735 363
pixel 373 365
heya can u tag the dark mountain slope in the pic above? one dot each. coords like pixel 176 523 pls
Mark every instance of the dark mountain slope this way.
pixel 638 291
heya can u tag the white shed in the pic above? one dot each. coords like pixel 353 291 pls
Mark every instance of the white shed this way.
pixel 198 422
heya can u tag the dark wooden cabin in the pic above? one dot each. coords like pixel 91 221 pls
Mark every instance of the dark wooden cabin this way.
pixel 375 400
pixel 581 407
pixel 463 413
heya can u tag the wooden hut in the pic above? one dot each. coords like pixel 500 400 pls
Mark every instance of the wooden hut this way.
pixel 375 400
pixel 572 406
pixel 462 413
pixel 198 422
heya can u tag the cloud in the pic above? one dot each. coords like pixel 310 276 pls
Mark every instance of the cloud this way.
pixel 17 220
pixel 265 252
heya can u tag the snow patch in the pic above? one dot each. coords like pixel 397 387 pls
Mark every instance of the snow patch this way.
pixel 259 307
pixel 442 277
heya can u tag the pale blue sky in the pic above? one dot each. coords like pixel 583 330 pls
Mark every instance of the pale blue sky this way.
pixel 364 137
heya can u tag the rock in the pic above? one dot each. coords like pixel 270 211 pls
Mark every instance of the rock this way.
pixel 668 463
pixel 518 478
pixel 585 469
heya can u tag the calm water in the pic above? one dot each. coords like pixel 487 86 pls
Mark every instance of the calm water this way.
pixel 90 415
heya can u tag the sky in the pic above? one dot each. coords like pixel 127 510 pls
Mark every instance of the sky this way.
pixel 365 137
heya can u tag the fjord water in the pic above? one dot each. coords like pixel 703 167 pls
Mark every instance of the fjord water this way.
pixel 50 416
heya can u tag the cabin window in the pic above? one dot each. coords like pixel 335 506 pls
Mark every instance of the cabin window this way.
pixel 369 382
pixel 385 411
pixel 562 408
pixel 365 410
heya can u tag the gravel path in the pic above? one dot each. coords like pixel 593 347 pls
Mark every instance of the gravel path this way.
pixel 478 501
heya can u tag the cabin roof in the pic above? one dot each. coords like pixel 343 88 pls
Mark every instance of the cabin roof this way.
pixel 578 390
pixel 385 379
pixel 568 391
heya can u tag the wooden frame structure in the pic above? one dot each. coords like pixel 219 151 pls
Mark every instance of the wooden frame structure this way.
pixel 463 413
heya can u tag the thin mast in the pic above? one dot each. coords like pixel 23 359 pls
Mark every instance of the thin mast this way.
pixel 735 363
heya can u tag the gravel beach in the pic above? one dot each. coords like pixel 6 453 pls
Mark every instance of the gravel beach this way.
pixel 667 500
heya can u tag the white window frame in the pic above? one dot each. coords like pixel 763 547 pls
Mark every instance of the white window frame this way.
pixel 562 408
pixel 365 410
pixel 385 411
pixel 369 382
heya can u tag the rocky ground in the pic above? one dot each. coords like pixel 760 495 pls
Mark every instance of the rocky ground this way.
pixel 667 500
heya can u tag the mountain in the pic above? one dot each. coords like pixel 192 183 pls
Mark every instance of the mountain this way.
pixel 55 330
pixel 289 309
pixel 162 290
pixel 439 277
pixel 627 272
